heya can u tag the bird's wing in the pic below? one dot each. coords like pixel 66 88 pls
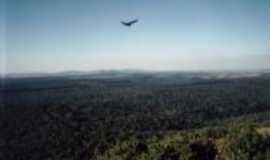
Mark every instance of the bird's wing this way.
pixel 134 21
pixel 124 23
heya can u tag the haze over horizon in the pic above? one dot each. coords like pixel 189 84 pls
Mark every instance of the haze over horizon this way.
pixel 62 35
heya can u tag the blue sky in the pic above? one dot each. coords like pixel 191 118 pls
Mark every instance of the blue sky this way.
pixel 61 35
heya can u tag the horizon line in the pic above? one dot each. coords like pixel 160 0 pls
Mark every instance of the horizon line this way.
pixel 54 73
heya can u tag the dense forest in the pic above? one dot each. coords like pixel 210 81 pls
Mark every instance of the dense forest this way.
pixel 155 116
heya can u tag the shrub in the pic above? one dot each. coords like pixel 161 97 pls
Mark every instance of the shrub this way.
pixel 246 143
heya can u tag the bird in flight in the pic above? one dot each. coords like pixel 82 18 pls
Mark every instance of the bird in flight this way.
pixel 130 23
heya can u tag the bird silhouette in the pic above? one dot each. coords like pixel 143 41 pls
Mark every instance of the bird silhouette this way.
pixel 130 23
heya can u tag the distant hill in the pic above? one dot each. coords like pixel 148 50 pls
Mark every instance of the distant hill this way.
pixel 159 74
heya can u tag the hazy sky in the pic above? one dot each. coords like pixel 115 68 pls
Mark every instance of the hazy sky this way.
pixel 59 35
